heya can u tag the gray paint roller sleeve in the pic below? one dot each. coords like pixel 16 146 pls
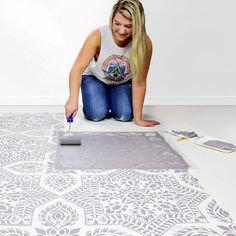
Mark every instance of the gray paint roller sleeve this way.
pixel 71 138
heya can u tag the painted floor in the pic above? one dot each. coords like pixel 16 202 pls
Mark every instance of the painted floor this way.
pixel 38 199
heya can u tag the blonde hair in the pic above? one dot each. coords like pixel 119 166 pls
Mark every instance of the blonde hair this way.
pixel 133 10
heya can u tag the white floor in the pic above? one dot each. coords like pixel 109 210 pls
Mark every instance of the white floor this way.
pixel 215 170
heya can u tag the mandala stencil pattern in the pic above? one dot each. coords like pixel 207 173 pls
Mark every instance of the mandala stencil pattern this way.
pixel 36 199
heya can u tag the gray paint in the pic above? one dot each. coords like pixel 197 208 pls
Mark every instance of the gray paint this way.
pixel 119 150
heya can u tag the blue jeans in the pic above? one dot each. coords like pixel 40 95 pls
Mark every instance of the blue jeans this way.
pixel 99 99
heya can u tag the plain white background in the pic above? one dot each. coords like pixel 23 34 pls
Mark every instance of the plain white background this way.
pixel 193 61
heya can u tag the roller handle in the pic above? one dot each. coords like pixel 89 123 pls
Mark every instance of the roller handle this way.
pixel 70 118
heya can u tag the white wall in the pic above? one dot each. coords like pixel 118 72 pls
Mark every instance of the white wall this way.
pixel 194 59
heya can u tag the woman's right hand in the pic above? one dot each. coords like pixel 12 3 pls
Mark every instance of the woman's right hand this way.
pixel 71 107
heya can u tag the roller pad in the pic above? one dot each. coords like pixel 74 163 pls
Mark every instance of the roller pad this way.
pixel 70 138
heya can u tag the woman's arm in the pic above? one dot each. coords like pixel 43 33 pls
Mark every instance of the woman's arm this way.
pixel 85 56
pixel 139 91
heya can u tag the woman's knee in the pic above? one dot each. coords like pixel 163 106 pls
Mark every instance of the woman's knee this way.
pixel 95 98
pixel 96 114
pixel 124 116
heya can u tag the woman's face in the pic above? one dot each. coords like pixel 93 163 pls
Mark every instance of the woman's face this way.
pixel 122 29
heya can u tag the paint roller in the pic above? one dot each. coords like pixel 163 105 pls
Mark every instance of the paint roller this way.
pixel 70 138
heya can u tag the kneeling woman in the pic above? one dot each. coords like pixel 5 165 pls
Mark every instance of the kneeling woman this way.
pixel 112 68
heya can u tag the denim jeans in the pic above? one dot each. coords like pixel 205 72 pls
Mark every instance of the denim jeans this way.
pixel 99 99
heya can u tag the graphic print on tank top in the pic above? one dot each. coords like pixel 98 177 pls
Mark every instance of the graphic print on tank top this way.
pixel 116 69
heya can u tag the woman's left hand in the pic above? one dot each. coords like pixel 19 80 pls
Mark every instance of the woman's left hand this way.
pixel 149 123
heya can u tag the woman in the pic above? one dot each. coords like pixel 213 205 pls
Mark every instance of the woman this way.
pixel 112 68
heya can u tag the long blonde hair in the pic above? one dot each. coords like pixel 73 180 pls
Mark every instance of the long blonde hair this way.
pixel 133 10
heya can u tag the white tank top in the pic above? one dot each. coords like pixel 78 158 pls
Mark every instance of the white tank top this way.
pixel 112 66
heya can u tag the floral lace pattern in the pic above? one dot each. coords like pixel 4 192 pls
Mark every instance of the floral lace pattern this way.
pixel 36 199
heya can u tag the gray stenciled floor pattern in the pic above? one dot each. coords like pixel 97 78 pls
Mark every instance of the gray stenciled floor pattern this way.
pixel 36 199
